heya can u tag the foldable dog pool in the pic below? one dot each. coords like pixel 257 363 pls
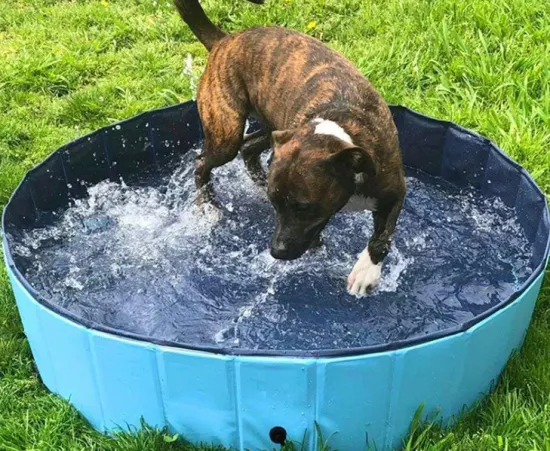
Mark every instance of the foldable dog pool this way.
pixel 137 305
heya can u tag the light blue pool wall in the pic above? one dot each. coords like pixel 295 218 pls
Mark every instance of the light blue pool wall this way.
pixel 235 401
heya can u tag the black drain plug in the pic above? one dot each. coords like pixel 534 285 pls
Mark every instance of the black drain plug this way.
pixel 278 435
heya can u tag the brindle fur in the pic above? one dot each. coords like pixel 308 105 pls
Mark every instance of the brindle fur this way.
pixel 288 79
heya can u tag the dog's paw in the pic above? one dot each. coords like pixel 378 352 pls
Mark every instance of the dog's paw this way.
pixel 364 275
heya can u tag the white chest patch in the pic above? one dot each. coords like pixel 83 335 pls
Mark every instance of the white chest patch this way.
pixel 358 203
pixel 326 127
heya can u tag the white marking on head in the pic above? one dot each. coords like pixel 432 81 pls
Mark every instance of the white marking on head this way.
pixel 326 127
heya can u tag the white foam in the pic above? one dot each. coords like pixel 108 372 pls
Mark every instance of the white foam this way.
pixel 400 263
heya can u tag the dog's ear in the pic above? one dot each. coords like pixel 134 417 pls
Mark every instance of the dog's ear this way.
pixel 281 137
pixel 356 158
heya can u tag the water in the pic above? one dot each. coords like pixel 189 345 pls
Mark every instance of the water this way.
pixel 141 258
pixel 191 75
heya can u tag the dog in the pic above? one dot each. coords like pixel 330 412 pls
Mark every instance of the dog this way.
pixel 333 137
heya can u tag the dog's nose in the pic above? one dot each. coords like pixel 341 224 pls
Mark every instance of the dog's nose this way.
pixel 281 251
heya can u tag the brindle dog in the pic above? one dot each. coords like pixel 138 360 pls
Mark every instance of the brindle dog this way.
pixel 333 135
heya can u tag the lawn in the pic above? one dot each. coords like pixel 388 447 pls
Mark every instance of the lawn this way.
pixel 69 67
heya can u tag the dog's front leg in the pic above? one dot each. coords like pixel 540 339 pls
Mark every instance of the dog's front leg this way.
pixel 366 272
pixel 254 145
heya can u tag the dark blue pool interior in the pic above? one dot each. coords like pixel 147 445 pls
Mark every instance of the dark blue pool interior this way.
pixel 452 173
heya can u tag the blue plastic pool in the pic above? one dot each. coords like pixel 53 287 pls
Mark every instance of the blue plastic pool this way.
pixel 361 379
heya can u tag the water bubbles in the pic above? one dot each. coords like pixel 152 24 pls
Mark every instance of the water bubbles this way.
pixel 72 282
pixel 116 270
pixel 117 127
pixel 246 312
pixel 398 265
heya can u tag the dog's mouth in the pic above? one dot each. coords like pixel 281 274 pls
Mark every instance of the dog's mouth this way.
pixel 286 255
pixel 287 251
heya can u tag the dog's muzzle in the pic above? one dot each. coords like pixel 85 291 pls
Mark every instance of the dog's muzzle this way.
pixel 284 251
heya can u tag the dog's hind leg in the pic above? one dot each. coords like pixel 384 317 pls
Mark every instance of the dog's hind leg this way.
pixel 223 108
pixel 223 137
pixel 253 147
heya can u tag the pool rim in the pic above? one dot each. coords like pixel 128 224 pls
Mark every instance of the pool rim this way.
pixel 349 352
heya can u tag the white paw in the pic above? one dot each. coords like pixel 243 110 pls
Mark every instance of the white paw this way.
pixel 364 275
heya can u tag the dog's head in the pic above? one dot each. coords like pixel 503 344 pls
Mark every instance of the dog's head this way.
pixel 311 177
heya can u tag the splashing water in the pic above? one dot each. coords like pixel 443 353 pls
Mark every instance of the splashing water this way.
pixel 143 259
pixel 192 75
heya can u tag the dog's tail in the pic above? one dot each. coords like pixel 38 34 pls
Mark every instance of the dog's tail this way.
pixel 193 15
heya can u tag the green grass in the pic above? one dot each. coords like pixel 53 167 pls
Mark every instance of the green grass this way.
pixel 69 67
